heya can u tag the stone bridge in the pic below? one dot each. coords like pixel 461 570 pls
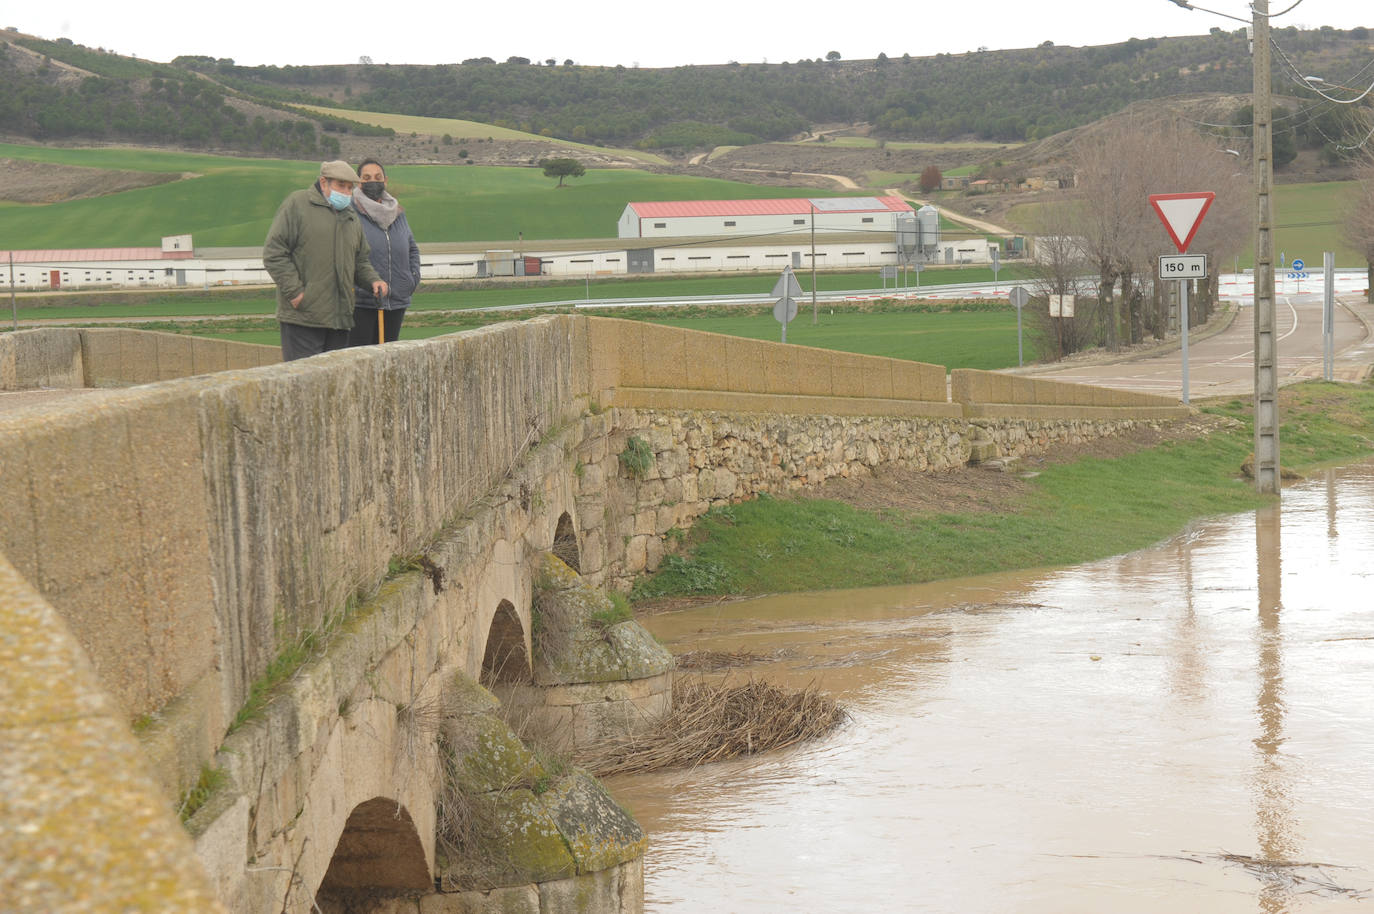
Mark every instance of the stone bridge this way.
pixel 271 598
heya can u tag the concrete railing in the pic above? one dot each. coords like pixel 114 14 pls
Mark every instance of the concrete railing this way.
pixel 41 358
pixel 990 394
pixel 643 365
pixel 116 357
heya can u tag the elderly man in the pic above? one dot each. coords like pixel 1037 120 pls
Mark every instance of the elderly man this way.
pixel 315 253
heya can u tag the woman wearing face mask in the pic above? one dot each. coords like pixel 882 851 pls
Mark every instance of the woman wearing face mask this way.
pixel 395 256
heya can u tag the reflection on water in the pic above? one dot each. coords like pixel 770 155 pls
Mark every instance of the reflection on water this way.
pixel 1186 728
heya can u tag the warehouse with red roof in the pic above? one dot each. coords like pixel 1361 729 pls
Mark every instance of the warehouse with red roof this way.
pixel 757 218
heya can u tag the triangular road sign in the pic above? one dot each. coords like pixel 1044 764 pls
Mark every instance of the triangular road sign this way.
pixel 1182 215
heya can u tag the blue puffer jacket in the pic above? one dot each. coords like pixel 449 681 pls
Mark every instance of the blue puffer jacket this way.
pixel 395 256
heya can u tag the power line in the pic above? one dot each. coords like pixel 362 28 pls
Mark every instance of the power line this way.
pixel 1309 80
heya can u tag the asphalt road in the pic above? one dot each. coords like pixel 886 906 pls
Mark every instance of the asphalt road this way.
pixel 1223 365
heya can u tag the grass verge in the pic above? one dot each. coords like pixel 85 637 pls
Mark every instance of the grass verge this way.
pixel 1075 511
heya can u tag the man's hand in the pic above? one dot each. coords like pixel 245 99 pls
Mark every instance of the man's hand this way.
pixel 379 288
pixel 296 302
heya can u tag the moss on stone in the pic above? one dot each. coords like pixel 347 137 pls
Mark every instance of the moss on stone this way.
pixel 488 756
pixel 599 833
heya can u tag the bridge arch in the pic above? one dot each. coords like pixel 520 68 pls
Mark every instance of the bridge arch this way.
pixel 505 658
pixel 379 851
pixel 565 542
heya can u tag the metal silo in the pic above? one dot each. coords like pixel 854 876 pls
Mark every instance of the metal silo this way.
pixel 928 229
pixel 908 237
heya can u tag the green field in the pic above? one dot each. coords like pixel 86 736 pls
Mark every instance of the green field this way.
pixel 474 130
pixel 1307 221
pixel 230 201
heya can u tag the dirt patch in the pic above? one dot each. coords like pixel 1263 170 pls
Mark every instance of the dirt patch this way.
pixel 43 182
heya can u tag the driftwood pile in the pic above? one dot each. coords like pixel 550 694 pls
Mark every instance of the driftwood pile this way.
pixel 711 722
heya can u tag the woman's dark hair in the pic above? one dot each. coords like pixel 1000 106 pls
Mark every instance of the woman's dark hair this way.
pixel 371 161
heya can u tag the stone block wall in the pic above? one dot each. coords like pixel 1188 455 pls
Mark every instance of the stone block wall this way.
pixel 116 357
pixel 636 354
pixel 701 459
pixel 993 394
pixel 119 358
pixel 189 531
pixel 31 359
pixel 82 825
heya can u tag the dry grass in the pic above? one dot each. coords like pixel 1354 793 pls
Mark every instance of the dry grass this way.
pixel 715 722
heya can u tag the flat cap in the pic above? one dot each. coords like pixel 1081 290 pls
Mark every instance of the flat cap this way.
pixel 339 170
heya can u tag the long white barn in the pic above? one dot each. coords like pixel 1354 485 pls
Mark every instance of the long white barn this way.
pixel 695 218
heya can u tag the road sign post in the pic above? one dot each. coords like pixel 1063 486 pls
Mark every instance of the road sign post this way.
pixel 1329 316
pixel 1182 217
pixel 1299 272
pixel 1019 296
pixel 787 289
pixel 1184 268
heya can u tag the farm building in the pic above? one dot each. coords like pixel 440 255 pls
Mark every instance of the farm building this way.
pixel 694 218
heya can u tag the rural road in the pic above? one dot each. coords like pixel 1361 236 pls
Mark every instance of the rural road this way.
pixel 991 228
pixel 1223 365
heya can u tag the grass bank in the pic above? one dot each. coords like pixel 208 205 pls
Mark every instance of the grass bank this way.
pixel 1074 511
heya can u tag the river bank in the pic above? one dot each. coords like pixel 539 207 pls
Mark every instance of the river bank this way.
pixel 1078 503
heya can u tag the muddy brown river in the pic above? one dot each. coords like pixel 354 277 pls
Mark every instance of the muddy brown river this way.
pixel 1189 728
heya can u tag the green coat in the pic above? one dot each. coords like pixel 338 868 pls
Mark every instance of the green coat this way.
pixel 315 248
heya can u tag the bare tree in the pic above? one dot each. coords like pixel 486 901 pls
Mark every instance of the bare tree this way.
pixel 1117 169
pixel 1060 257
pixel 1359 219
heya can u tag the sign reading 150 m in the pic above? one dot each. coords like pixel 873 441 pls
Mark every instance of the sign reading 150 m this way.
pixel 1183 266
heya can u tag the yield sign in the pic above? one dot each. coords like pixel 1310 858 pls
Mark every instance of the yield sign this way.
pixel 1182 215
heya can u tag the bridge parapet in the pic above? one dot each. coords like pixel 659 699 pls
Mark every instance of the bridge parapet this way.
pixel 195 533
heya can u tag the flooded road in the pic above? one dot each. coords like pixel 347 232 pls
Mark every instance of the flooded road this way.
pixel 1189 728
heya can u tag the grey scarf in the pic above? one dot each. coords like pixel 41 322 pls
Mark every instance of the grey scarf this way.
pixel 383 211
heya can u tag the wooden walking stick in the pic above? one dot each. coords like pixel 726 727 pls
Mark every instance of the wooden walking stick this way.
pixel 381 327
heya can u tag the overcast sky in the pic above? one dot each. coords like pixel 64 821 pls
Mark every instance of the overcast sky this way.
pixel 618 32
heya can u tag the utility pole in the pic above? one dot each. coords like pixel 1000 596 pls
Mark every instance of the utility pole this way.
pixel 1267 473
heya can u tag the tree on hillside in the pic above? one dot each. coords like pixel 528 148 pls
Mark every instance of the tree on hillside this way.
pixel 562 168
pixel 832 56
pixel 1359 219
pixel 931 179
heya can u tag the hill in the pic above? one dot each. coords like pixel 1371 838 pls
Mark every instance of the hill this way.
pixel 1007 96
pixel 60 91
